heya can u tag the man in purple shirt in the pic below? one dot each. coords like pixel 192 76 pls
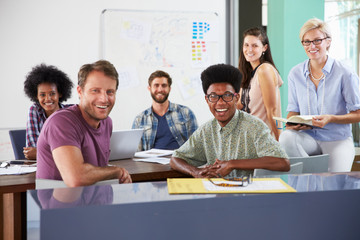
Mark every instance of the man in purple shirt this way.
pixel 74 144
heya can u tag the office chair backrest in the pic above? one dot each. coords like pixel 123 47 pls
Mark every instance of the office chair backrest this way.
pixel 313 164
pixel 18 141
pixel 296 168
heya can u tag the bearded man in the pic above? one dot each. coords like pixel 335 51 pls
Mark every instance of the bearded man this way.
pixel 166 125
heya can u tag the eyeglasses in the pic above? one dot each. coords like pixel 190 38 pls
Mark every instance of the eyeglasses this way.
pixel 315 42
pixel 227 97
pixel 240 181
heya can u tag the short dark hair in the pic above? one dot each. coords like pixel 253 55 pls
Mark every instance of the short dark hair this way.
pixel 220 73
pixel 159 74
pixel 47 74
pixel 102 66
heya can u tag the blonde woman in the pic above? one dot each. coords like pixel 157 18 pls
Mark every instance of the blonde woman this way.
pixel 323 87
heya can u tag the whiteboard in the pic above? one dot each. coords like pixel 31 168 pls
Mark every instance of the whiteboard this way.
pixel 182 44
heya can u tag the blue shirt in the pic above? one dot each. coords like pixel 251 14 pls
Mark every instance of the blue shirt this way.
pixel 181 121
pixel 337 94
pixel 164 139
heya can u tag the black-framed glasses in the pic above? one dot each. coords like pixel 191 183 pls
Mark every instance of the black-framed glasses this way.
pixel 238 181
pixel 315 42
pixel 227 97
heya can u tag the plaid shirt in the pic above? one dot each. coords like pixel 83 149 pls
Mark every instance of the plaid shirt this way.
pixel 35 122
pixel 181 120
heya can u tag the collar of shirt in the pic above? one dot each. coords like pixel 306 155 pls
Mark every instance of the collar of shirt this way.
pixel 171 108
pixel 326 69
pixel 42 111
pixel 231 125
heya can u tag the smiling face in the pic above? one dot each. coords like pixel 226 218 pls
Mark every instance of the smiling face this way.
pixel 316 52
pixel 253 49
pixel 48 97
pixel 159 89
pixel 222 111
pixel 97 97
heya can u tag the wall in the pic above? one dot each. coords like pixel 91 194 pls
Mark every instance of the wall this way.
pixel 66 34
pixel 285 18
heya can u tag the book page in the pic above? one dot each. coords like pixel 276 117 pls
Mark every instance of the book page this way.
pixel 307 119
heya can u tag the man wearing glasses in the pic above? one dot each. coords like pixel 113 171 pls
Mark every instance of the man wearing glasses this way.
pixel 232 144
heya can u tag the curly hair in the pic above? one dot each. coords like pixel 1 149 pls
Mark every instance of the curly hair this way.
pixel 47 74
pixel 221 73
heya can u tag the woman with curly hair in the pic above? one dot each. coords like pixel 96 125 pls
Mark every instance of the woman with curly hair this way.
pixel 47 87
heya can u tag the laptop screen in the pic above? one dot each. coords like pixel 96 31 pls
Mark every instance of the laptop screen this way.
pixel 124 143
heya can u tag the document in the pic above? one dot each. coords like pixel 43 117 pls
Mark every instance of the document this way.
pixel 161 160
pixel 200 185
pixel 17 169
pixel 153 153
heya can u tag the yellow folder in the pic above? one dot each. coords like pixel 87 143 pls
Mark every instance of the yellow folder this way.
pixel 203 185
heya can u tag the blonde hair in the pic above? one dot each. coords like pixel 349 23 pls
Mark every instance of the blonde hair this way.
pixel 315 23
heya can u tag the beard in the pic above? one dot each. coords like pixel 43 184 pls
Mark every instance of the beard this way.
pixel 160 100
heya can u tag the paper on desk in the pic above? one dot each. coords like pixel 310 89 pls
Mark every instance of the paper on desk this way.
pixel 17 169
pixel 198 185
pixel 154 153
pixel 161 160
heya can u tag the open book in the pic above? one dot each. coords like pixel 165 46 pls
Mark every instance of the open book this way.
pixel 297 119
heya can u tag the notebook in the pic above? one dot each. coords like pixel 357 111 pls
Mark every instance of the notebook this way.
pixel 124 143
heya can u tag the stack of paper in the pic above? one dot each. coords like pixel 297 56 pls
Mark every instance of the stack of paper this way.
pixel 154 155
pixel 17 169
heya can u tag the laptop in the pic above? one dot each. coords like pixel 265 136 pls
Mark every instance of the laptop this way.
pixel 124 143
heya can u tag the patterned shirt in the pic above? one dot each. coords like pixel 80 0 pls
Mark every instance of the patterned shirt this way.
pixel 244 137
pixel 181 120
pixel 35 122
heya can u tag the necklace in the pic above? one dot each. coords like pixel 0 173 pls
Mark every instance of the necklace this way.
pixel 315 79
pixel 308 96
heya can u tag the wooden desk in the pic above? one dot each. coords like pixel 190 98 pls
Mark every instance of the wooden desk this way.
pixel 356 163
pixel 13 193
pixel 147 172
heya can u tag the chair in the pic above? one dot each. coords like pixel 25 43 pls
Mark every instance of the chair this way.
pixel 18 142
pixel 313 164
pixel 296 168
